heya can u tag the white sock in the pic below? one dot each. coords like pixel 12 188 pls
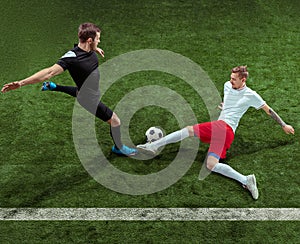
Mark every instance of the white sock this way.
pixel 227 171
pixel 171 138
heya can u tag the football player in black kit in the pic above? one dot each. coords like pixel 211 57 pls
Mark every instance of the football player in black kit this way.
pixel 82 64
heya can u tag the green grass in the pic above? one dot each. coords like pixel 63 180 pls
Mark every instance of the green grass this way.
pixel 152 232
pixel 39 166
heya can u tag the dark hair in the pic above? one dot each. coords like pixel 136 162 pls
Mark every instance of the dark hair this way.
pixel 241 70
pixel 87 30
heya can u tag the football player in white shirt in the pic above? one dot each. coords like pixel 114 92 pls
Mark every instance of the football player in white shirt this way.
pixel 220 133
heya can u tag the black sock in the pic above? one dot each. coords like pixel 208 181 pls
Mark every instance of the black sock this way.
pixel 115 133
pixel 71 90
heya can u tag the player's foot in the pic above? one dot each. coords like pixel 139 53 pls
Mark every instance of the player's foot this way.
pixel 148 147
pixel 48 86
pixel 251 186
pixel 127 151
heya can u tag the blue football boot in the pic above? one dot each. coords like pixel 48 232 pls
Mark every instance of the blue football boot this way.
pixel 48 86
pixel 127 151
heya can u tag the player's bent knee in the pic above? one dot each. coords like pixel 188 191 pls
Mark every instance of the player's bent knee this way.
pixel 211 162
pixel 114 121
pixel 191 130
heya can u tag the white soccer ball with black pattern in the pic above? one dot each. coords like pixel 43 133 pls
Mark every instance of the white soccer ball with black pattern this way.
pixel 153 134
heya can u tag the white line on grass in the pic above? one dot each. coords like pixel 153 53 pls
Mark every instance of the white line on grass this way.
pixel 150 214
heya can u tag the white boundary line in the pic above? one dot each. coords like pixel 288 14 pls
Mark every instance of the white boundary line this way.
pixel 150 214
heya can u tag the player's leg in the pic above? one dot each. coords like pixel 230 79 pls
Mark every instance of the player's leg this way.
pixel 176 136
pixel 168 139
pixel 212 163
pixel 115 132
pixel 107 115
pixel 51 86
pixel 220 137
pixel 248 181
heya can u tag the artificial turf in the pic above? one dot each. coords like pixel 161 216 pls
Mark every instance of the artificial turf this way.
pixel 39 166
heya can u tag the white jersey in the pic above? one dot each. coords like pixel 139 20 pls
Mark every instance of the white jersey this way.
pixel 237 102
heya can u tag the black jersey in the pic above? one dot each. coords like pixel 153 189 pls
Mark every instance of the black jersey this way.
pixel 80 64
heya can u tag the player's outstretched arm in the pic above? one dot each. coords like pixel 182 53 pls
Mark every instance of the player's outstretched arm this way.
pixel 100 52
pixel 287 128
pixel 42 75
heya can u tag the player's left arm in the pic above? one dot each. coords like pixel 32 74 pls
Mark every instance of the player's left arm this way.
pixel 287 128
pixel 100 51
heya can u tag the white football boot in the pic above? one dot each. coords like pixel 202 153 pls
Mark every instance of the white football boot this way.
pixel 251 186
pixel 148 147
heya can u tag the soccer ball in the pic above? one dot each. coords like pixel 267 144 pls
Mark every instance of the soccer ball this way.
pixel 153 134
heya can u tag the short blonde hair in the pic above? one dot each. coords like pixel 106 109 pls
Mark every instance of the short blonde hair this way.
pixel 241 70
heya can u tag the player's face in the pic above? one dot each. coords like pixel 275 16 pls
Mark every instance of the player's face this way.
pixel 96 41
pixel 236 81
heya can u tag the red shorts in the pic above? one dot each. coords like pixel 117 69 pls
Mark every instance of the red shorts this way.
pixel 218 134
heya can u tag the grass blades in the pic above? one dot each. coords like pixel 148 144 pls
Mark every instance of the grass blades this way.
pixel 39 166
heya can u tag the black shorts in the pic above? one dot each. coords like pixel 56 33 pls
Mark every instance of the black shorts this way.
pixel 103 112
pixel 89 99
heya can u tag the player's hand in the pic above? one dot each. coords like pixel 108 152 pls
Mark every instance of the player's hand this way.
pixel 10 86
pixel 100 51
pixel 221 106
pixel 288 129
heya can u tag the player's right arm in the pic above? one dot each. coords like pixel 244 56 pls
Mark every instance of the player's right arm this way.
pixel 288 129
pixel 40 76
